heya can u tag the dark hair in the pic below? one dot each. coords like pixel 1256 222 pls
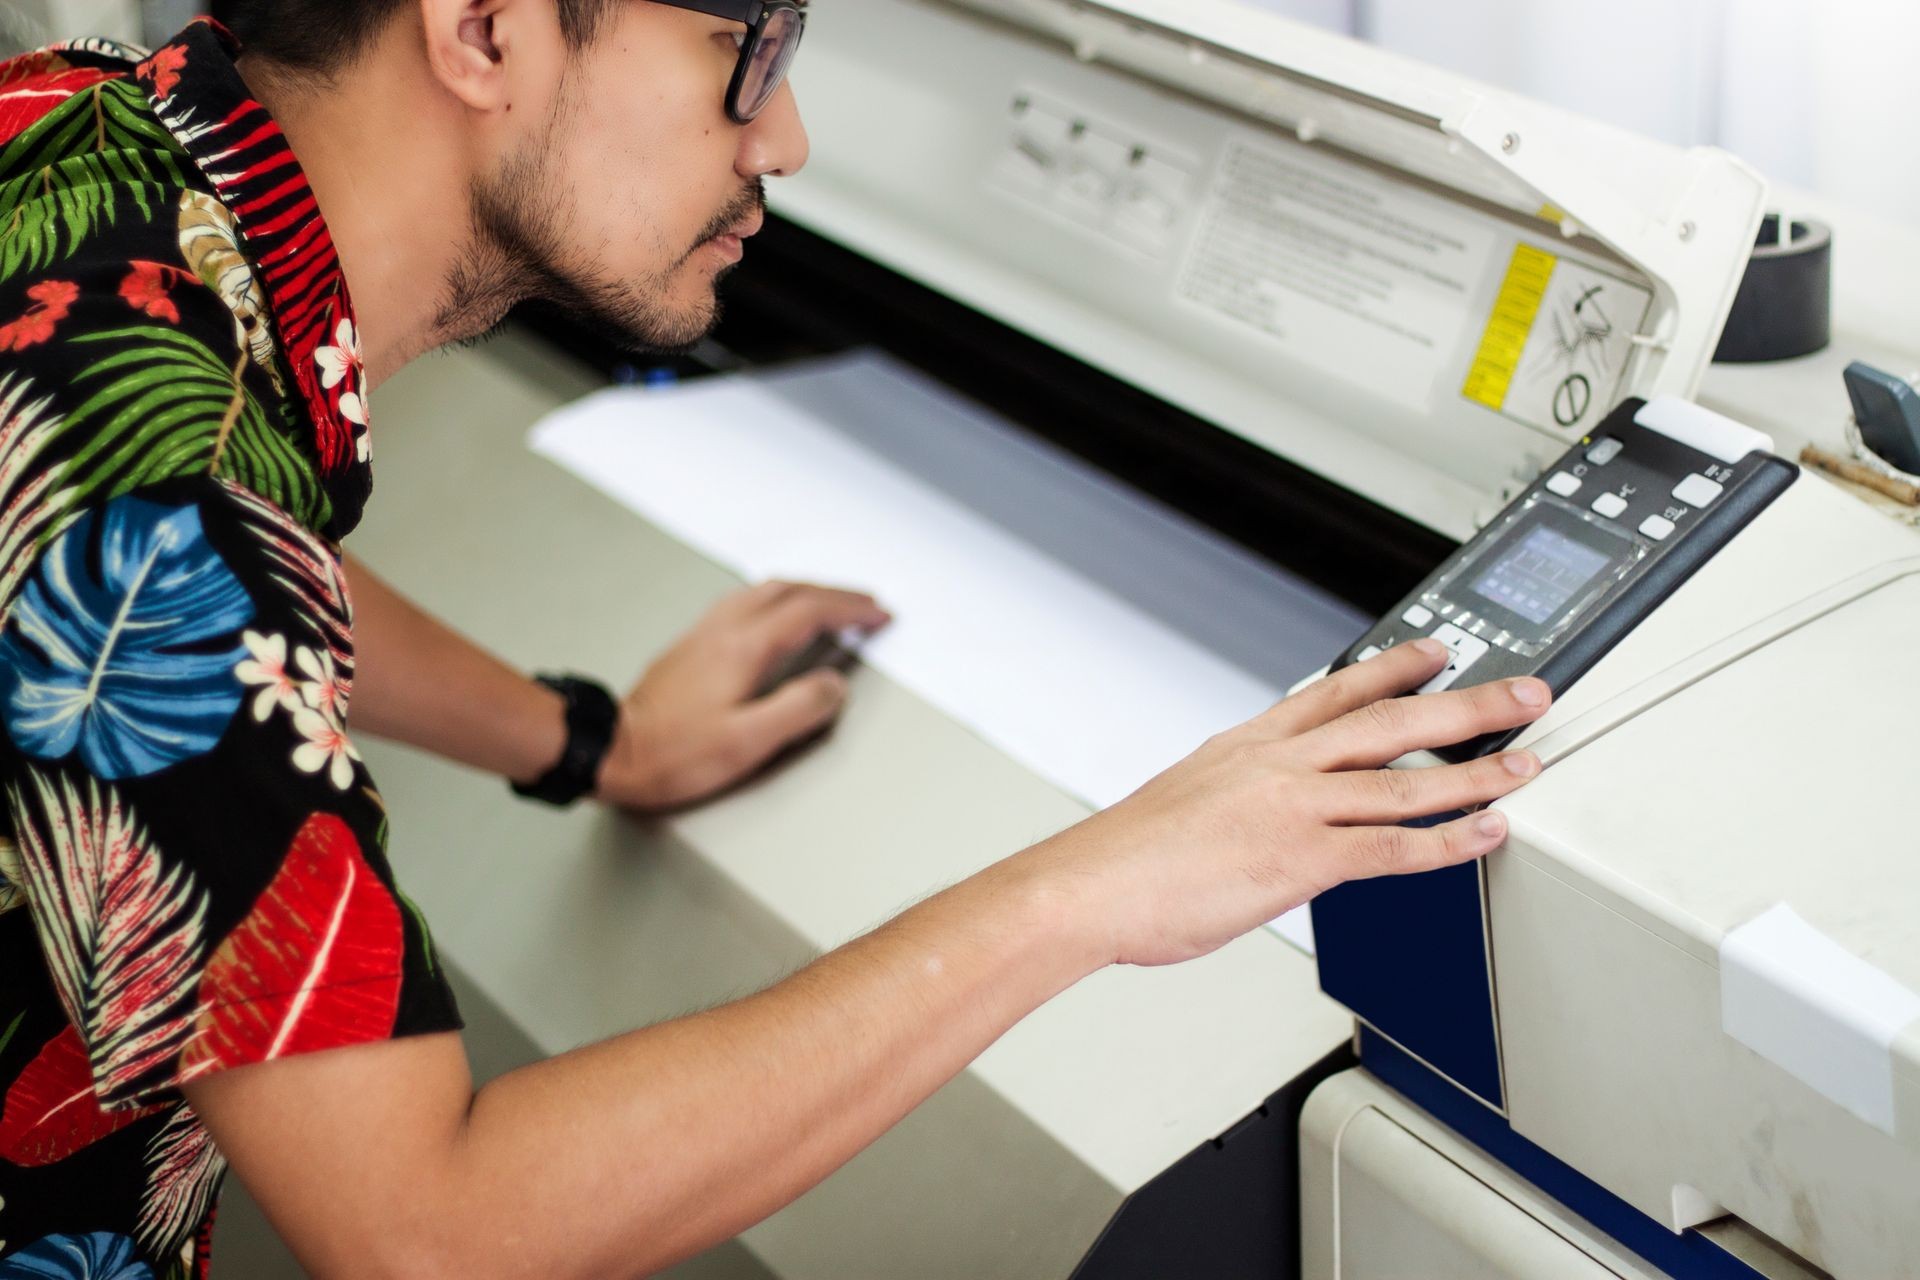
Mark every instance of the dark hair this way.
pixel 326 35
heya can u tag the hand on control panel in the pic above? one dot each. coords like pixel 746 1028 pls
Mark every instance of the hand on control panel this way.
pixel 1268 815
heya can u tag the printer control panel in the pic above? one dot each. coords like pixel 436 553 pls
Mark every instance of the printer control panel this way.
pixel 1592 547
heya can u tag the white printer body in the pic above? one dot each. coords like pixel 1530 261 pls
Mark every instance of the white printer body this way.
pixel 1698 955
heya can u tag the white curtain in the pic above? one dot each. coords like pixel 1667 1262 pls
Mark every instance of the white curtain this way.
pixel 1822 95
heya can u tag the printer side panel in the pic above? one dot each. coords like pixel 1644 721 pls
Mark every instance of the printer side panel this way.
pixel 1610 913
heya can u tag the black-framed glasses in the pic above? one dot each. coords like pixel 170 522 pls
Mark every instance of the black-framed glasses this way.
pixel 773 36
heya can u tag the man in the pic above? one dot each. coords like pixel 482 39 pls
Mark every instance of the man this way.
pixel 206 265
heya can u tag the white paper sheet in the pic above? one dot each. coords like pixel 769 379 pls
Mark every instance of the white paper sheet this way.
pixel 1086 631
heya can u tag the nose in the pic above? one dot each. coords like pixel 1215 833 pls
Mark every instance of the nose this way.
pixel 774 145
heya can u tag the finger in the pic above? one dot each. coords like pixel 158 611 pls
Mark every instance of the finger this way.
pixel 805 612
pixel 774 591
pixel 1383 731
pixel 1399 669
pixel 803 705
pixel 1396 795
pixel 1394 850
pixel 745 602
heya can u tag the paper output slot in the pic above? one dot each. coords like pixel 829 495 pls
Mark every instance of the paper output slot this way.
pixel 1083 628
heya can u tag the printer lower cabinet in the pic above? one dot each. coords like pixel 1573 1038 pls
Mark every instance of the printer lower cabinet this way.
pixel 1229 1210
pixel 1387 1193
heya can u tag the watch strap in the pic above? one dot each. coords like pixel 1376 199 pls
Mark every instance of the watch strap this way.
pixel 592 715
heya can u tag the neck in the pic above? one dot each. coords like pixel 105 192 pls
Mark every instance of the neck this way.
pixel 394 195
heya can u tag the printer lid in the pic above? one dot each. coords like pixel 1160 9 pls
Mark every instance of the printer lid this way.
pixel 1417 285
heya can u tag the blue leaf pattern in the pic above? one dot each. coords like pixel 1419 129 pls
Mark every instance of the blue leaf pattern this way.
pixel 124 643
pixel 98 1255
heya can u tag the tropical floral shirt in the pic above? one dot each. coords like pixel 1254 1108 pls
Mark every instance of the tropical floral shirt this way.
pixel 193 872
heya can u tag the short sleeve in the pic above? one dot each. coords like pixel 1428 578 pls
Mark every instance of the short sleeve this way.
pixel 200 844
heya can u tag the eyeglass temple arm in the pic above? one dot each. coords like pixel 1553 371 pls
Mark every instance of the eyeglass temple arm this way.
pixel 733 10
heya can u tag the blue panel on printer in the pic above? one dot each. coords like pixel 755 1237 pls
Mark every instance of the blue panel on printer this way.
pixel 1546 589
pixel 1408 954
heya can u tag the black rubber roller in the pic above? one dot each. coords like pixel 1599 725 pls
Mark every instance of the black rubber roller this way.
pixel 1785 304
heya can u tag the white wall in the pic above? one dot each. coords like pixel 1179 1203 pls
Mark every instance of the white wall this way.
pixel 1867 106
pixel 28 24
pixel 1822 95
pixel 1592 58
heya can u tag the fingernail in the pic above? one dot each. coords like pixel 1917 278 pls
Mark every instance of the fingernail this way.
pixel 1491 824
pixel 1530 693
pixel 1521 764
pixel 1431 647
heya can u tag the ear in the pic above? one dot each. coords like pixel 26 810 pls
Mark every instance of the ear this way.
pixel 466 49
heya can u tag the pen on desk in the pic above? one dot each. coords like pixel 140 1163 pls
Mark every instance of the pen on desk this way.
pixel 1857 473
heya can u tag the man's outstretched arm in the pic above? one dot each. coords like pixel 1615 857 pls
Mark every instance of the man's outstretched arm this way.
pixel 621 1158
pixel 691 727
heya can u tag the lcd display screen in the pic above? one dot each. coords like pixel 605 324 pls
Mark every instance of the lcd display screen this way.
pixel 1538 575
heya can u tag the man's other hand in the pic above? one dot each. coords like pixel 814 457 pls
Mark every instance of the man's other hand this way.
pixel 1265 816
pixel 692 726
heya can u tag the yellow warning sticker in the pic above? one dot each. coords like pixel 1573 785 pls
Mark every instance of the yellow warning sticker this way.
pixel 1505 339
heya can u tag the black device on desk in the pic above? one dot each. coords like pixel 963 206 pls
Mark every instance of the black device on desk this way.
pixel 1591 548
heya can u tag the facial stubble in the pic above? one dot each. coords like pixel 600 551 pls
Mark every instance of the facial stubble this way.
pixel 521 247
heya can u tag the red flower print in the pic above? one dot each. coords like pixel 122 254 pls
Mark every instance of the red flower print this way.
pixel 35 84
pixel 145 289
pixel 315 965
pixel 29 66
pixel 163 69
pixel 51 1111
pixel 57 295
pixel 52 300
pixel 332 434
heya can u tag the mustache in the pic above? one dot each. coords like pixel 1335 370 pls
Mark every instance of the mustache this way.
pixel 751 200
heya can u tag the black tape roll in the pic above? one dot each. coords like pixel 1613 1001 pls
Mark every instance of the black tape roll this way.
pixel 1785 304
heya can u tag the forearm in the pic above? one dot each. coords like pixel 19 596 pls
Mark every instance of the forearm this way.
pixel 680 1136
pixel 380 1159
pixel 418 681
pixel 623 1157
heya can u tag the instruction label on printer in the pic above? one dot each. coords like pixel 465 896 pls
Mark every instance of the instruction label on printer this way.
pixel 1340 267
pixel 1554 351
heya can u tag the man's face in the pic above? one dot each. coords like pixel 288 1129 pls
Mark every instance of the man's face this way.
pixel 628 194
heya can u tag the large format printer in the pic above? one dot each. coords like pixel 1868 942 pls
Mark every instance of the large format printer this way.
pixel 1344 309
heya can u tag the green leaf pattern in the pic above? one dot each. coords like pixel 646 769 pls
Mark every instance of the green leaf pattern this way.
pixel 56 191
pixel 157 403
pixel 162 404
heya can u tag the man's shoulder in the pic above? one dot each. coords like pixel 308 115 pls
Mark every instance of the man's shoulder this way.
pixel 132 307
pixel 138 331
pixel 46 82
pixel 82 151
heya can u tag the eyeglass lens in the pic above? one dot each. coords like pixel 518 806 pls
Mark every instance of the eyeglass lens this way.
pixel 775 42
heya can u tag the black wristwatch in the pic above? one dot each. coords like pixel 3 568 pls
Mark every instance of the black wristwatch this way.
pixel 592 716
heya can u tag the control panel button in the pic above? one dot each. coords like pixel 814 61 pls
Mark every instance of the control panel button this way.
pixel 1417 615
pixel 1610 505
pixel 1656 527
pixel 1465 649
pixel 1604 450
pixel 1696 491
pixel 1563 483
pixel 1370 652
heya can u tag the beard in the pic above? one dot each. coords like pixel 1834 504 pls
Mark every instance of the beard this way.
pixel 517 251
